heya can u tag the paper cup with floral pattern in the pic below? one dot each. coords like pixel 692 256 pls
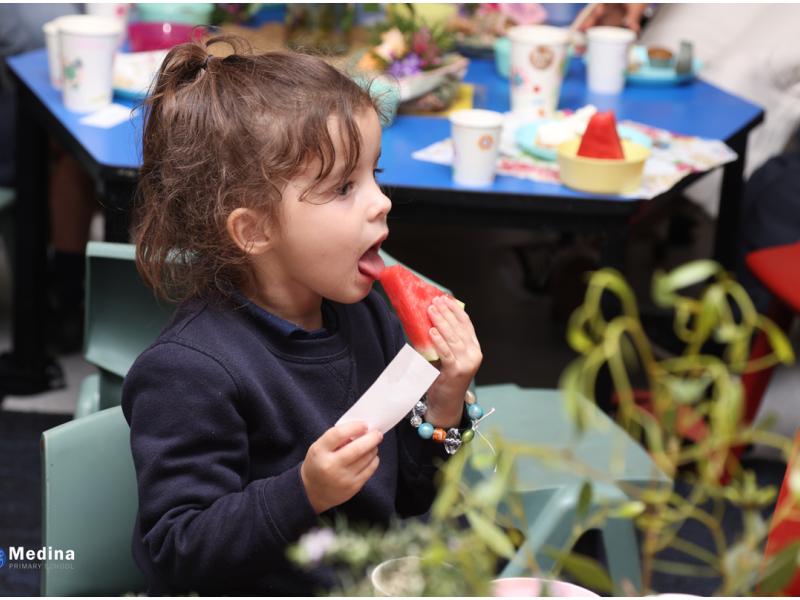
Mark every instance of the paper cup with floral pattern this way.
pixel 50 30
pixel 476 142
pixel 87 45
pixel 538 61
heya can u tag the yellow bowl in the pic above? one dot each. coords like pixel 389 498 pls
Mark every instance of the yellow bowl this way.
pixel 602 175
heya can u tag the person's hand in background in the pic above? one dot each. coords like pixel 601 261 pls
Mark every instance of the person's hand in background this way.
pixel 618 15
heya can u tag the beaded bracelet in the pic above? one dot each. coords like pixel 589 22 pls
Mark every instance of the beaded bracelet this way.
pixel 453 438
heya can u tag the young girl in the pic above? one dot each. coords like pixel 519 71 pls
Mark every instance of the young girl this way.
pixel 259 210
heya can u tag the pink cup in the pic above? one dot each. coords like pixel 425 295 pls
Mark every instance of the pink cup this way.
pixel 533 586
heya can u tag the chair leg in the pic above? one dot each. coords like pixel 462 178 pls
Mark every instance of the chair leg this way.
pixel 552 524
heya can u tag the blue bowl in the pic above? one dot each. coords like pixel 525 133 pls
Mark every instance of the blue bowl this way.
pixel 190 14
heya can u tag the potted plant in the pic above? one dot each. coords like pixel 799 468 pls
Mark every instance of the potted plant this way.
pixel 690 423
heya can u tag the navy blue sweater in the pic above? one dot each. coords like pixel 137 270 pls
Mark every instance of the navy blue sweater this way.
pixel 222 409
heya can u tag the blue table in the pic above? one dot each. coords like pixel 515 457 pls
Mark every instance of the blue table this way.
pixel 420 191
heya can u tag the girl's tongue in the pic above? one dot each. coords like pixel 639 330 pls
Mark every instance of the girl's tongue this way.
pixel 371 264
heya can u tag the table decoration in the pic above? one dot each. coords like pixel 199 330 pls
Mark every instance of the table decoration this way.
pixel 418 57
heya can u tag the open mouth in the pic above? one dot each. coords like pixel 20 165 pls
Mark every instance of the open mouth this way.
pixel 371 264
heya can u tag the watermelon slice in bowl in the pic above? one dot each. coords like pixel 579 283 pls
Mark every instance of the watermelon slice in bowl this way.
pixel 411 296
pixel 601 140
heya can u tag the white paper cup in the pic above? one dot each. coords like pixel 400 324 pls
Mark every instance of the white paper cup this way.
pixel 607 58
pixel 119 11
pixel 87 45
pixel 50 30
pixel 476 143
pixel 538 60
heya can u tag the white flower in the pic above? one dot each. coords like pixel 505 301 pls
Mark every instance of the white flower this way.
pixel 393 45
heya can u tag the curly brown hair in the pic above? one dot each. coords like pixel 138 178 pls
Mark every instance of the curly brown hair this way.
pixel 224 133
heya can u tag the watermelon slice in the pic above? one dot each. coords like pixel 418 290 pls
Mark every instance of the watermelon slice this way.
pixel 411 296
pixel 601 139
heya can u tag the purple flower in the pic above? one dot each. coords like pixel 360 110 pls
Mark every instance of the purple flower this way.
pixel 316 543
pixel 409 65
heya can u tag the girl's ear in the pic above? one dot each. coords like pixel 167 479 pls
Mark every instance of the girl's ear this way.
pixel 249 231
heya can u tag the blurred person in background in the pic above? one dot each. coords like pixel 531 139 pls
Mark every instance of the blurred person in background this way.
pixel 71 191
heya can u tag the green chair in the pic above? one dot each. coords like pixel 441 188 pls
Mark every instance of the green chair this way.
pixel 122 318
pixel 89 502
pixel 550 492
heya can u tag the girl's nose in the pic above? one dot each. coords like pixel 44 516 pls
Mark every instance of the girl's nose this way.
pixel 381 206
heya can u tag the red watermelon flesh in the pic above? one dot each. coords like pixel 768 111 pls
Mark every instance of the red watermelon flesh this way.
pixel 411 296
pixel 601 139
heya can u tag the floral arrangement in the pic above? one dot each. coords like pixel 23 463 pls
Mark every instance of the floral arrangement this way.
pixel 405 46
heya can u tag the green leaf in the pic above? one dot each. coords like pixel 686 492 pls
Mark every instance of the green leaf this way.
pixel 491 534
pixel 780 570
pixel 586 571
pixel 584 499
pixel 778 342
pixel 445 500
pixel 489 492
pixel 628 510
pixel 482 459
pixel 692 273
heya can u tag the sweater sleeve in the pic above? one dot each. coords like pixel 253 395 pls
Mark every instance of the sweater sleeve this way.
pixel 199 514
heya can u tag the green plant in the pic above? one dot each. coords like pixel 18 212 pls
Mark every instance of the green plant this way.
pixel 473 526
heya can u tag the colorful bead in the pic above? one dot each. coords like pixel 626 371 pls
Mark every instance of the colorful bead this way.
pixel 454 433
pixel 425 431
pixel 451 445
pixel 439 434
pixel 470 398
pixel 474 411
pixel 416 421
pixel 420 408
pixel 467 435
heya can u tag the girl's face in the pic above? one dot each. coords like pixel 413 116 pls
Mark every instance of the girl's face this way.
pixel 326 245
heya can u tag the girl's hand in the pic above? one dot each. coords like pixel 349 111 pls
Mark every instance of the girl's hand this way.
pixel 339 463
pixel 460 357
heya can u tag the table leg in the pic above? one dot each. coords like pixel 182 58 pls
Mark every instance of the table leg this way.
pixel 28 368
pixel 118 201
pixel 727 240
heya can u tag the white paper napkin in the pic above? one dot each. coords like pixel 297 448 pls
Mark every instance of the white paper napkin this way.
pixel 394 393
pixel 108 117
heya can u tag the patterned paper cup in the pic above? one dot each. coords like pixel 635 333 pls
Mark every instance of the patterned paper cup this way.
pixel 538 60
pixel 476 142
pixel 50 30
pixel 87 44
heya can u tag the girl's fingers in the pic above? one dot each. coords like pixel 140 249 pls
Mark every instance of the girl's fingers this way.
pixel 359 447
pixel 368 471
pixel 360 464
pixel 462 317
pixel 442 347
pixel 445 323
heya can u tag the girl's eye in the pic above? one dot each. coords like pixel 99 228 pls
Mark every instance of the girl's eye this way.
pixel 345 189
pixel 376 171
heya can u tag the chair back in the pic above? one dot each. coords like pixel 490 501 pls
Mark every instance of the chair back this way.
pixel 89 503
pixel 123 316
